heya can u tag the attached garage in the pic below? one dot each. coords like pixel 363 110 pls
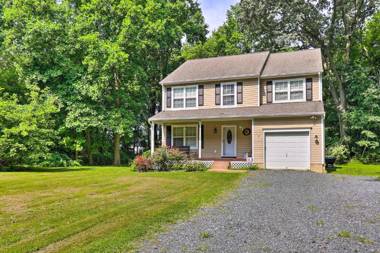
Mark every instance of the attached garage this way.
pixel 288 149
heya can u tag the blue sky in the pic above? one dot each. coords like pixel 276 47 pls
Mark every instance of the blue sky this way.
pixel 215 11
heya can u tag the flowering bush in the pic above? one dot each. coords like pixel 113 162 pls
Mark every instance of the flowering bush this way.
pixel 165 159
pixel 142 164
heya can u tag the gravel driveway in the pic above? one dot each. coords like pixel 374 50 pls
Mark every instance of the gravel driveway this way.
pixel 283 211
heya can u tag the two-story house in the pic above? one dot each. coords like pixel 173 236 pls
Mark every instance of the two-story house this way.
pixel 264 107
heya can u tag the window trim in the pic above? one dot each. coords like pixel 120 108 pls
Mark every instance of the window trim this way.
pixel 184 135
pixel 184 97
pixel 222 95
pixel 288 82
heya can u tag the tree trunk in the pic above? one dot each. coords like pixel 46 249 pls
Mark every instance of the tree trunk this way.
pixel 116 142
pixel 342 126
pixel 116 145
pixel 89 151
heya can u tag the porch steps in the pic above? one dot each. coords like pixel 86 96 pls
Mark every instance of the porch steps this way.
pixel 222 166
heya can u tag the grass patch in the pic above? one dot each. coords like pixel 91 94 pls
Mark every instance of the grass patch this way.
pixel 359 238
pixel 205 235
pixel 320 223
pixel 357 168
pixel 313 208
pixel 97 209
pixel 344 234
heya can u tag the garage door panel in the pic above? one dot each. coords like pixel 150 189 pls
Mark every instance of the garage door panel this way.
pixel 287 150
pixel 290 150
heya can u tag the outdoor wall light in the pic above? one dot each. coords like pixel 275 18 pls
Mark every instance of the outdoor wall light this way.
pixel 316 139
pixel 215 130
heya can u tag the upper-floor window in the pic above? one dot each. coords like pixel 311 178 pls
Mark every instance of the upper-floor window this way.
pixel 289 90
pixel 185 97
pixel 228 94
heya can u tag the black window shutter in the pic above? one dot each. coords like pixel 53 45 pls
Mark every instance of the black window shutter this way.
pixel 203 136
pixel 309 89
pixel 217 94
pixel 239 92
pixel 200 95
pixel 269 92
pixel 168 136
pixel 168 97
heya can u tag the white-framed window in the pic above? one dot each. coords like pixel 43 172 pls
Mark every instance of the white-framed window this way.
pixel 228 94
pixel 185 97
pixel 185 136
pixel 292 90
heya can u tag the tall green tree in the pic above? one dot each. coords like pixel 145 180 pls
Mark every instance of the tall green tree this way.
pixel 102 59
pixel 27 128
pixel 332 26
pixel 226 40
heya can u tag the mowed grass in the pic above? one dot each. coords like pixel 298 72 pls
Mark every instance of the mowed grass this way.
pixel 356 168
pixel 97 209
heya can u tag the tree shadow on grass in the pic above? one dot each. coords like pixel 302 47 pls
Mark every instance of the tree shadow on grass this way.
pixel 39 169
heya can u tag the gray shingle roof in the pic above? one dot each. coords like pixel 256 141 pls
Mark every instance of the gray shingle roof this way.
pixel 218 68
pixel 266 110
pixel 307 61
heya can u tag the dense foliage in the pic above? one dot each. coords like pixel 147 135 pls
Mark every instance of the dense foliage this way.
pixel 100 60
pixel 348 33
pixel 78 79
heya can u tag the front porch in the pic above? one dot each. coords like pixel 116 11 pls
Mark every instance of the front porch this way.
pixel 208 140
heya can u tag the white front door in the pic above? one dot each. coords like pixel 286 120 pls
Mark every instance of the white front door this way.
pixel 287 150
pixel 229 141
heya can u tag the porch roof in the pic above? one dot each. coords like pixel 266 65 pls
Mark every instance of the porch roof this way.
pixel 267 110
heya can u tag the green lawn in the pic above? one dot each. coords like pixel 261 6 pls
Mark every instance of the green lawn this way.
pixel 356 168
pixel 97 209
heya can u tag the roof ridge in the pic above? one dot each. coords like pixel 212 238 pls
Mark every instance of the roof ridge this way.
pixel 296 51
pixel 225 56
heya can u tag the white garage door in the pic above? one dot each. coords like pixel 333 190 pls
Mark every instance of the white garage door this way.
pixel 287 150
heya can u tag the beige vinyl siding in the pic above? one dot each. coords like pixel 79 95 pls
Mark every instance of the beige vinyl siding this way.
pixel 250 93
pixel 263 83
pixel 212 141
pixel 289 123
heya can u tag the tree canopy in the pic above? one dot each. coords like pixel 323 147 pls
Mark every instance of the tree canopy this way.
pixel 78 79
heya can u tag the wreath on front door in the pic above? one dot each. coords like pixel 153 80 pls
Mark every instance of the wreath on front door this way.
pixel 246 131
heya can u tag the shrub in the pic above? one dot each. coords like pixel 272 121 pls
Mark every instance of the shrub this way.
pixel 194 166
pixel 340 152
pixel 142 164
pixel 59 160
pixel 369 145
pixel 251 167
pixel 165 159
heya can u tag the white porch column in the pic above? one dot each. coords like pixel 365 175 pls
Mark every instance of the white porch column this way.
pixel 151 138
pixel 163 135
pixel 253 139
pixel 200 139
